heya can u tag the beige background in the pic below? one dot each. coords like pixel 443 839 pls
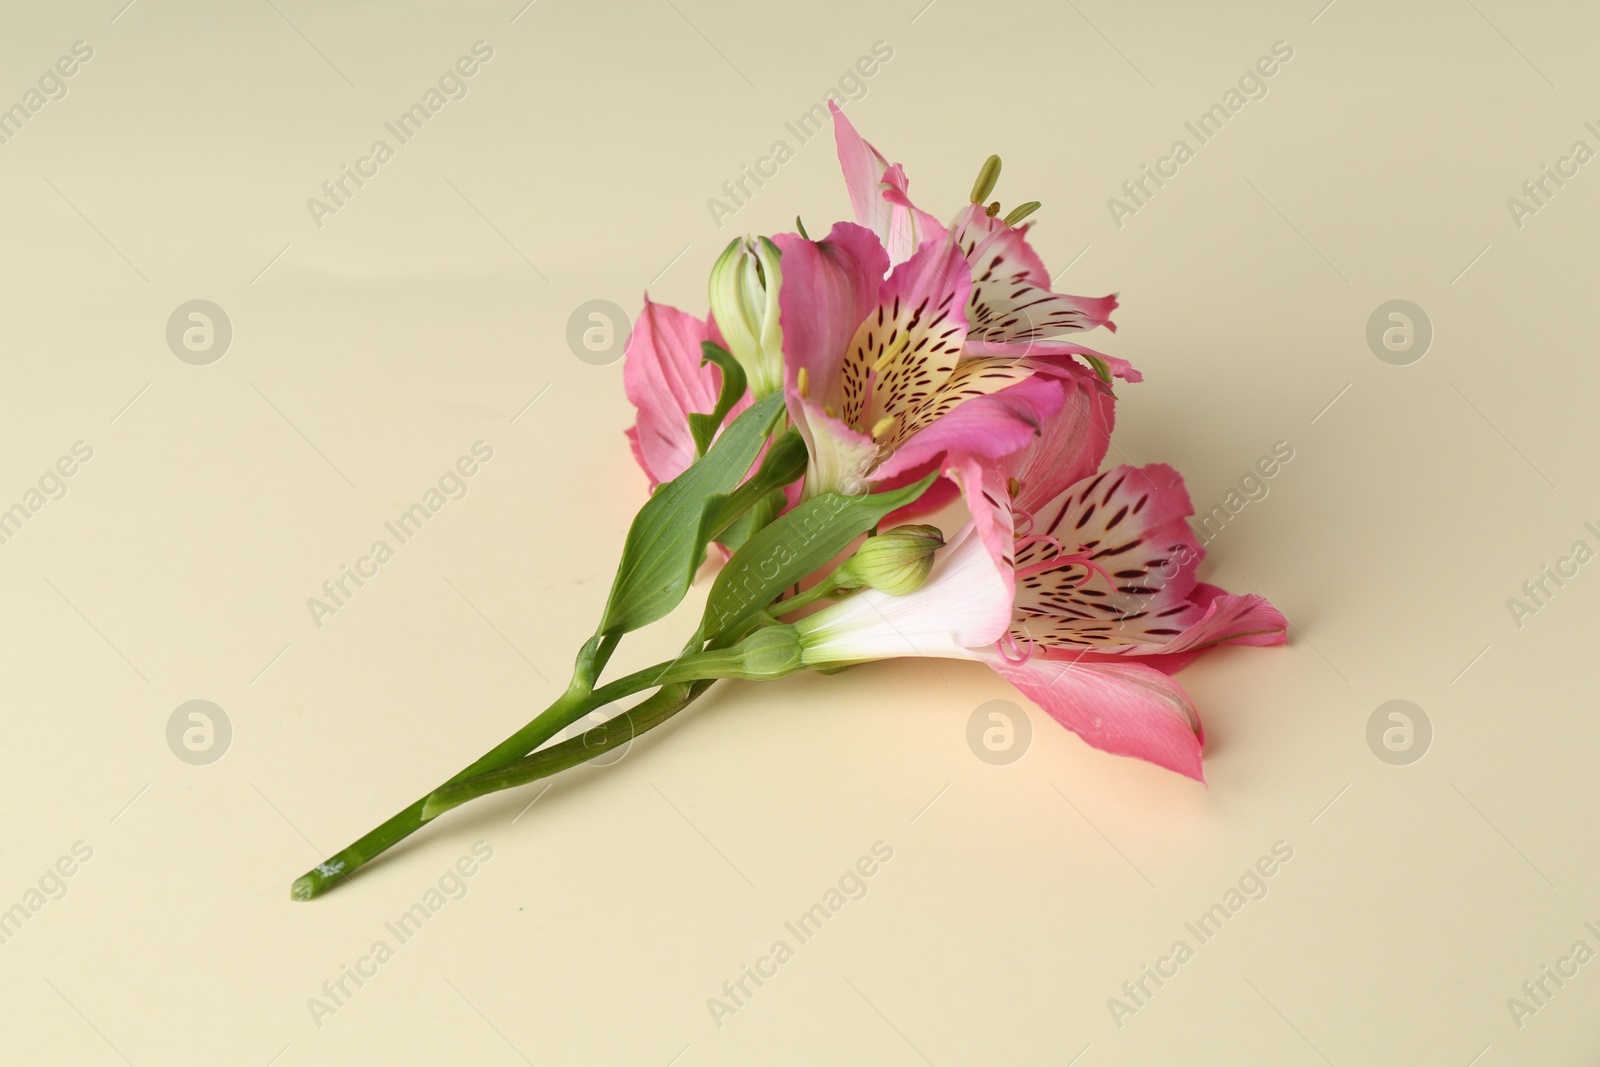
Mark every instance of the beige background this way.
pixel 369 353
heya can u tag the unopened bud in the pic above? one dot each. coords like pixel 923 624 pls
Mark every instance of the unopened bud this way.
pixel 770 652
pixel 744 303
pixel 896 562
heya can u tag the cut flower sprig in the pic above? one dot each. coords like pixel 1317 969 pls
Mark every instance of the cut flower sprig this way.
pixel 838 388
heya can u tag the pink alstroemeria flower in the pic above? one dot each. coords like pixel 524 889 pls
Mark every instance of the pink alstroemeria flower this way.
pixel 1081 593
pixel 664 379
pixel 874 374
pixel 1011 309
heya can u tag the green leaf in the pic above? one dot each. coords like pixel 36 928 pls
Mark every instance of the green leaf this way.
pixel 664 544
pixel 784 462
pixel 762 512
pixel 791 547
pixel 704 427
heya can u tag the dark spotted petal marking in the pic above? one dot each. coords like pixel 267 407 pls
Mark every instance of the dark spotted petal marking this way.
pixel 1127 560
pixel 1011 301
pixel 904 369
pixel 900 357
pixel 906 347
pixel 1002 309
pixel 971 378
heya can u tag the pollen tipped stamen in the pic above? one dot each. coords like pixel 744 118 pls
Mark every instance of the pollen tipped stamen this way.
pixel 802 383
pixel 1020 212
pixel 891 353
pixel 988 175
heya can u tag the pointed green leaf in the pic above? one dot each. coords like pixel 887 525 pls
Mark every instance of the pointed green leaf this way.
pixel 792 546
pixel 664 544
pixel 762 512
pixel 704 427
pixel 784 462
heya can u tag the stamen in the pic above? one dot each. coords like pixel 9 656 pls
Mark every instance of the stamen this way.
pixel 1063 558
pixel 993 209
pixel 1006 648
pixel 802 383
pixel 988 175
pixel 882 426
pixel 1021 211
pixel 891 352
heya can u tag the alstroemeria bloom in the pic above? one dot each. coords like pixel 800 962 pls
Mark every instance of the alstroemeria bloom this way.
pixel 665 380
pixel 1086 605
pixel 1010 303
pixel 874 374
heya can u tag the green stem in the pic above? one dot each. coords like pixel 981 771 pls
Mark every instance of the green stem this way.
pixel 826 587
pixel 643 717
pixel 682 680
pixel 572 705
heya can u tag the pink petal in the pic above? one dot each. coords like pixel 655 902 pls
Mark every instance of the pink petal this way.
pixel 1069 447
pixel 1228 619
pixel 1126 709
pixel 1072 443
pixel 1057 351
pixel 909 226
pixel 992 425
pixel 983 483
pixel 663 378
pixel 918 312
pixel 863 168
pixel 983 236
pixel 828 288
pixel 888 212
pixel 1011 295
pixel 935 274
pixel 943 491
pixel 1110 563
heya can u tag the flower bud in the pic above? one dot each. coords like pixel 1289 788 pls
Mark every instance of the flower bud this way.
pixel 896 562
pixel 744 303
pixel 770 652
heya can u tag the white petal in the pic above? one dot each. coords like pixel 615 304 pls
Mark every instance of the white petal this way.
pixel 964 605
